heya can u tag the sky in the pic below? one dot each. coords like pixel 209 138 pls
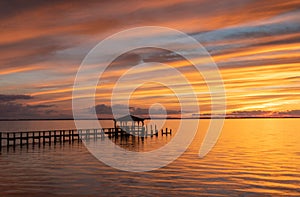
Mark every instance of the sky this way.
pixel 255 44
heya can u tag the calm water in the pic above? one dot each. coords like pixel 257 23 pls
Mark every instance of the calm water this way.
pixel 254 157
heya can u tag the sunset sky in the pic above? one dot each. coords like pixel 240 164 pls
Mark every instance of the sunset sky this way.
pixel 256 45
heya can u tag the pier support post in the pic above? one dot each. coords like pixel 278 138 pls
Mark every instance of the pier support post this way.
pixel 54 137
pixel 50 137
pixel 44 138
pixel 69 136
pixel 0 141
pixel 27 139
pixel 21 139
pixel 60 137
pixel 33 139
pixel 64 135
pixel 7 137
pixel 72 132
pixel 14 140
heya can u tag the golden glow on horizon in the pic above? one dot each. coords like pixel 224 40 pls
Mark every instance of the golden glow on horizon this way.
pixel 249 88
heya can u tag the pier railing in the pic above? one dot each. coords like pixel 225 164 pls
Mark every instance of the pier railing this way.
pixel 24 138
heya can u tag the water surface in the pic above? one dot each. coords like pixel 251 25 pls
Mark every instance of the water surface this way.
pixel 258 157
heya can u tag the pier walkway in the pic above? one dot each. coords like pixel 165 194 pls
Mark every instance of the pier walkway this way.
pixel 24 138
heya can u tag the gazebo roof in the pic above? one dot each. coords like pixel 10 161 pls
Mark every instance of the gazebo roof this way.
pixel 130 118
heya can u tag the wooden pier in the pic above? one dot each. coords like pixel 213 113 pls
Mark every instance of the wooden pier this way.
pixel 25 138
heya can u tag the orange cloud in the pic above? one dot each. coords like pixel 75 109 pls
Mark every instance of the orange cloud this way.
pixel 17 70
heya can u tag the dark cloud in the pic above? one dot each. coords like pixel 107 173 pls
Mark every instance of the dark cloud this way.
pixel 7 98
pixel 39 106
pixel 11 110
pixel 14 7
pixel 254 113
pixel 262 113
pixel 249 113
pixel 290 113
pixel 103 109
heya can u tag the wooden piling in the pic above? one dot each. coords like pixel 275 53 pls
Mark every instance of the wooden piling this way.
pixel 60 137
pixel 0 141
pixel 64 135
pixel 69 137
pixel 54 137
pixel 33 139
pixel 21 139
pixel 7 137
pixel 72 135
pixel 14 139
pixel 27 139
pixel 39 138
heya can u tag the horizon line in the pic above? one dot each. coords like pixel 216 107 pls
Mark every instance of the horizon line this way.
pixel 169 118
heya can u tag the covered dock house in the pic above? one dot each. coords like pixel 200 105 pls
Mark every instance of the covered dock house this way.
pixel 131 124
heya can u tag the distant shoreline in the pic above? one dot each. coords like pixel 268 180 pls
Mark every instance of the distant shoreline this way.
pixel 53 119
